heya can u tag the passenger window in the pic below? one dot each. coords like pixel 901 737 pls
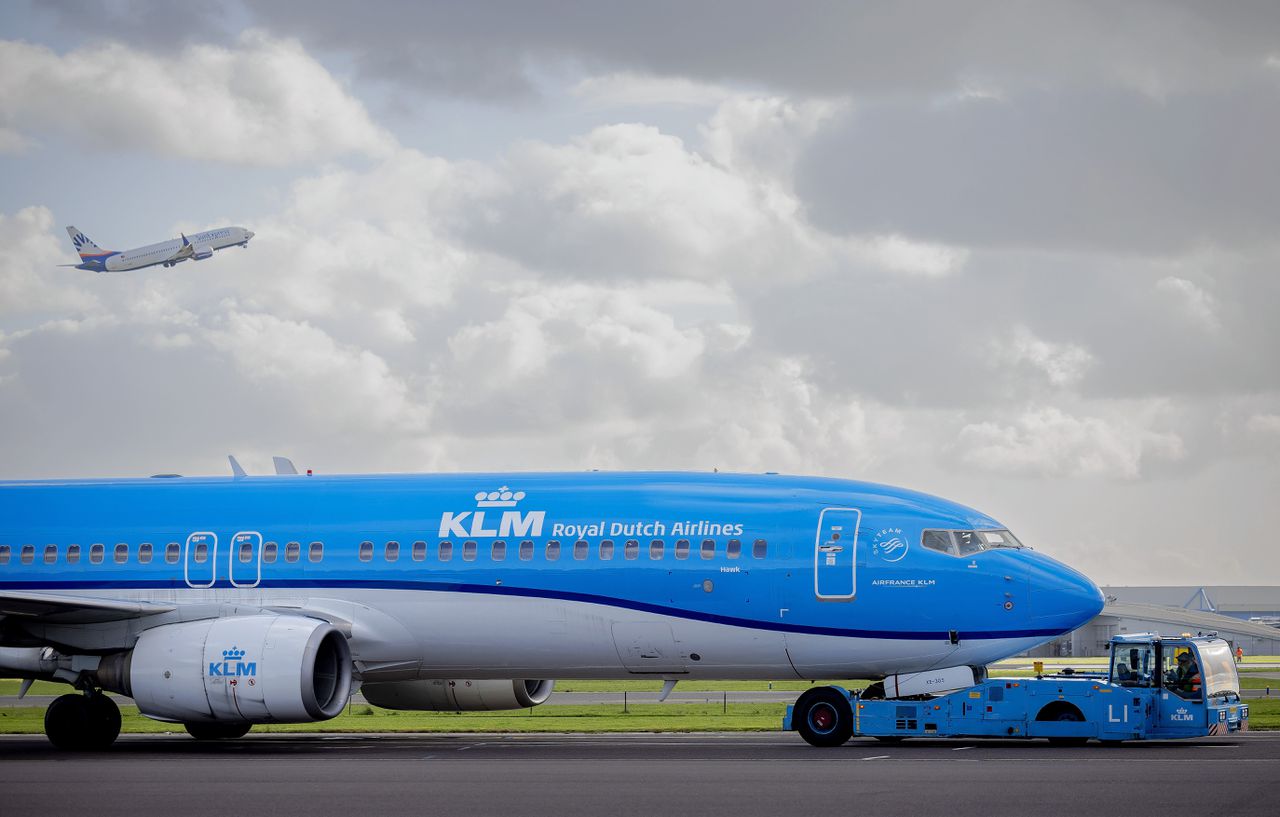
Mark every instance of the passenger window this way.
pixel 366 551
pixel 734 550
pixel 202 553
pixel 656 548
pixel 50 554
pixel 316 552
pixel 246 553
pixel 708 548
pixel 631 550
pixel 4 554
pixel 939 540
pixel 122 553
pixel 269 552
pixel 682 548
pixel 28 554
pixel 292 551
pixel 498 552
pixel 468 551
pixel 445 552
pixel 580 548
pixel 606 549
pixel 553 550
pixel 73 555
pixel 96 552
pixel 144 553
pixel 172 552
pixel 419 551
pixel 526 550
pixel 760 549
pixel 391 552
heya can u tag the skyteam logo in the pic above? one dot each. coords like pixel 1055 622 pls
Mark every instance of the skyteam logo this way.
pixel 890 544
pixel 510 523
pixel 233 665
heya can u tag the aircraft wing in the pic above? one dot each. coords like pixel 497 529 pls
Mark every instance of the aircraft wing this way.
pixel 74 609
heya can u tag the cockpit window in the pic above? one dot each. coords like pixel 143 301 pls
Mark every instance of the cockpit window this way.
pixel 968 542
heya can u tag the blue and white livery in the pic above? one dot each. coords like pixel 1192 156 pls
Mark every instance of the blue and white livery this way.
pixel 223 602
pixel 197 246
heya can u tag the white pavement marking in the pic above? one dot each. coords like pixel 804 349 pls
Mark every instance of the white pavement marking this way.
pixel 961 748
pixel 877 757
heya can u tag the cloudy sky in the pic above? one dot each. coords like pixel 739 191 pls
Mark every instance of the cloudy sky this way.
pixel 1020 255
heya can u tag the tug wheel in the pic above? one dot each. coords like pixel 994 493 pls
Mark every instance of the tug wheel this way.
pixel 823 717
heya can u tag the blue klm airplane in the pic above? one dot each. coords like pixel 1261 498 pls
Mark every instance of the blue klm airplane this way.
pixel 219 603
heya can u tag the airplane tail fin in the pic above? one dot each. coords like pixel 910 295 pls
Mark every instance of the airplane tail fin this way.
pixel 85 246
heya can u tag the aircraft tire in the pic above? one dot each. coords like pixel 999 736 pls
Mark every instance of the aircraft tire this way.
pixel 1072 717
pixel 218 731
pixel 823 717
pixel 104 722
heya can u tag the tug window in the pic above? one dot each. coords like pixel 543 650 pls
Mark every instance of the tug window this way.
pixel 292 550
pixel 656 549
pixel 580 549
pixel 446 551
pixel 50 554
pixel 316 552
pixel 708 548
pixel 553 550
pixel 73 555
pixel 366 551
pixel 734 550
pixel 498 552
pixel 606 549
pixel 759 549
pixel 96 552
pixel 28 554
pixel 468 551
pixel 419 551
pixel 172 553
pixel 269 552
pixel 526 550
pixel 144 553
pixel 682 548
pixel 391 552
pixel 631 550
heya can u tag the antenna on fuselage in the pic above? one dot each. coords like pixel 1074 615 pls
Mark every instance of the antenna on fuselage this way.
pixel 236 471
pixel 284 466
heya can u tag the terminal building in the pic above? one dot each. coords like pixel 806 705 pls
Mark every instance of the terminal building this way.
pixel 1247 617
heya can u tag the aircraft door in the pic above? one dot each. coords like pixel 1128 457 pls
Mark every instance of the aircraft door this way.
pixel 835 554
pixel 244 559
pixel 199 562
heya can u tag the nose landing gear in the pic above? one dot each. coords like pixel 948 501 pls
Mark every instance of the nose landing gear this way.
pixel 82 721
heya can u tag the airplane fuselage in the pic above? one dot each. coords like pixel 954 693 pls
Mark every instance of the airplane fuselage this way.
pixel 196 246
pixel 538 575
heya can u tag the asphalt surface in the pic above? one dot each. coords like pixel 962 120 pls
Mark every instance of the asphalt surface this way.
pixel 737 775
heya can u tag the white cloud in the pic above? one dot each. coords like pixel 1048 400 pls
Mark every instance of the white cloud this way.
pixel 31 282
pixel 263 101
pixel 1051 443
pixel 1062 364
pixel 1195 302
pixel 1264 424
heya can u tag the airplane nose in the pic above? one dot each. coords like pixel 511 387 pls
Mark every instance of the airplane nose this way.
pixel 249 234
pixel 1062 598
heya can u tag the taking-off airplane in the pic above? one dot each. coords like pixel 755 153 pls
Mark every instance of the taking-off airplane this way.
pixel 219 603
pixel 197 247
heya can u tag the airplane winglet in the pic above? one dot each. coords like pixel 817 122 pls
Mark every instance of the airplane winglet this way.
pixel 284 466
pixel 236 470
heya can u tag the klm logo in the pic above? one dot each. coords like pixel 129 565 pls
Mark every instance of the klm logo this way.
pixel 499 523
pixel 233 665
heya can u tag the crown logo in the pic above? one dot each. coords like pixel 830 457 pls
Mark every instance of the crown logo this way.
pixel 233 654
pixel 501 498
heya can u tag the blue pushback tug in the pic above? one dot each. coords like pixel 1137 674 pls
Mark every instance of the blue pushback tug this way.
pixel 1157 689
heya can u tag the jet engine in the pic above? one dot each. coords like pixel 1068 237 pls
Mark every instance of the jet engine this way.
pixel 201 251
pixel 457 696
pixel 262 668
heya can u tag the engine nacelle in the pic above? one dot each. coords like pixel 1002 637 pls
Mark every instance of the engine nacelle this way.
pixel 201 251
pixel 457 696
pixel 252 669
